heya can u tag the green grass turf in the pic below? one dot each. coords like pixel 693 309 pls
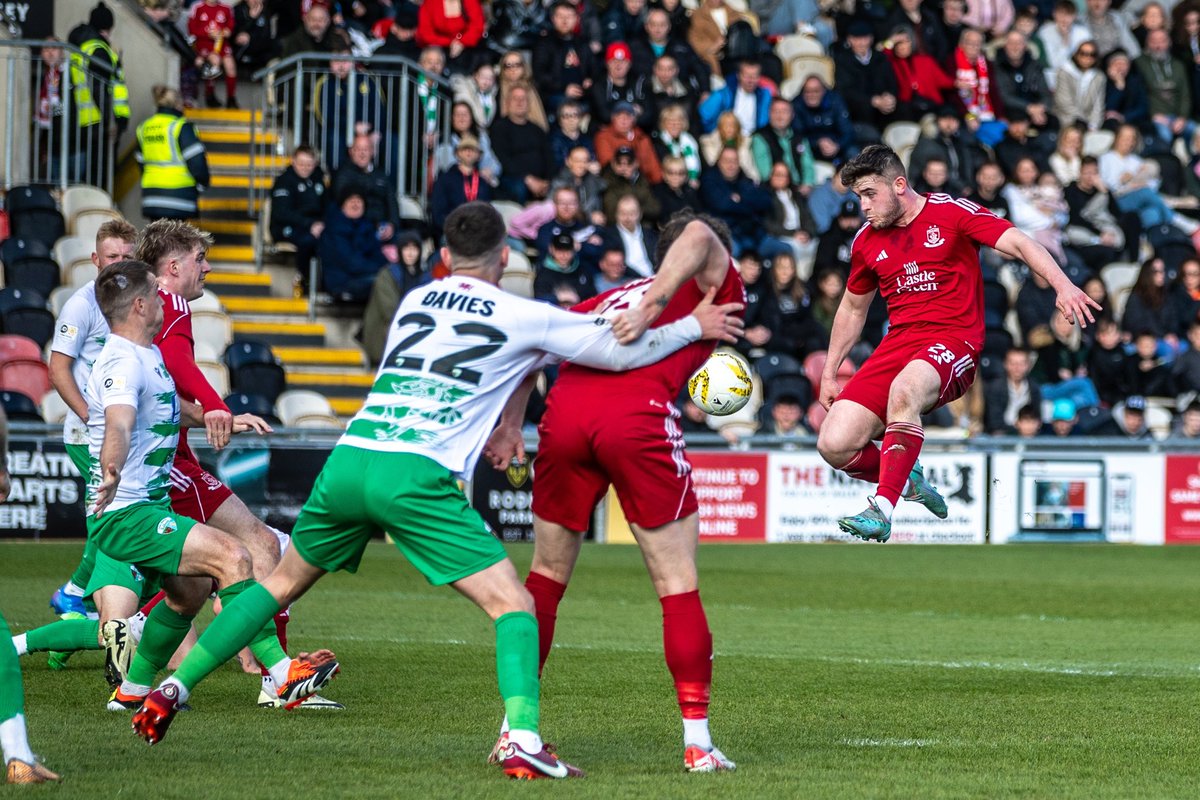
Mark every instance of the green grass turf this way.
pixel 841 671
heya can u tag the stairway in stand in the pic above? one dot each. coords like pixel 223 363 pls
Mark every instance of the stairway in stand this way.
pixel 261 308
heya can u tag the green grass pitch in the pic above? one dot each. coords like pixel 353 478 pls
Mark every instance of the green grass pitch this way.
pixel 841 671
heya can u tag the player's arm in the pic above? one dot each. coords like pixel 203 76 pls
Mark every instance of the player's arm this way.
pixel 507 444
pixel 190 381
pixel 698 254
pixel 119 420
pixel 1072 301
pixel 63 381
pixel 848 324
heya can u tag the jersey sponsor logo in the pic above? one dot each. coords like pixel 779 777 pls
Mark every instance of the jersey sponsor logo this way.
pixel 115 382
pixel 167 526
pixel 882 255
pixel 933 237
pixel 916 279
pixel 68 332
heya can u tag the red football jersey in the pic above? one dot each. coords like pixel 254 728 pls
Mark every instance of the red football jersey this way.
pixel 928 271
pixel 664 379
pixel 207 21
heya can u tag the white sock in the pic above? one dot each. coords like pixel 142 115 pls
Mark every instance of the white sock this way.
pixel 907 487
pixel 136 623
pixel 695 731
pixel 504 725
pixel 279 672
pixel 19 643
pixel 1185 224
pixel 70 588
pixel 528 741
pixel 885 506
pixel 137 689
pixel 268 685
pixel 179 687
pixel 14 740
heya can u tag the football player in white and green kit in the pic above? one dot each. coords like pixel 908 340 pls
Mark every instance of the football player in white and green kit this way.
pixel 133 427
pixel 457 349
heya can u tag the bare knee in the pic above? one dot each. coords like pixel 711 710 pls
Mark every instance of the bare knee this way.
pixel 236 564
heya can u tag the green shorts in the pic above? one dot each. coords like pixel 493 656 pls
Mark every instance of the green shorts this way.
pixel 82 459
pixel 149 536
pixel 412 498
pixel 110 572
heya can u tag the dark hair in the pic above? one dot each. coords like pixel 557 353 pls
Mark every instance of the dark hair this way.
pixel 1029 411
pixel 674 227
pixel 475 234
pixel 1066 5
pixel 1089 161
pixel 304 150
pixel 875 159
pixel 1153 296
pixel 472 126
pixel 1192 406
pixel 120 284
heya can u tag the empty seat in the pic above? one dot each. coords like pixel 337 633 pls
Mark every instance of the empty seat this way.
pixel 88 223
pixel 517 283
pixel 263 378
pixel 213 327
pixel 508 209
pixel 40 224
pixel 248 351
pixel 30 198
pixel 217 376
pixel 14 348
pixel 256 404
pixel 19 407
pixel 206 302
pixel 774 365
pixel 53 408
pixel 797 44
pixel 27 376
pixel 79 274
pixel 16 248
pixel 814 364
pixel 70 249
pixel 518 262
pixel 39 274
pixel 78 199
pixel 203 351
pixel 900 135
pixel 318 421
pixel 59 298
pixel 297 403
pixel 24 312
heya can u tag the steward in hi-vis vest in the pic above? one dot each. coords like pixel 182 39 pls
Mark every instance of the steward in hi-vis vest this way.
pixel 174 169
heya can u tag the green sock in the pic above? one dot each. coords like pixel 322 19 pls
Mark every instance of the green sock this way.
pixel 265 645
pixel 87 563
pixel 240 622
pixel 67 635
pixel 517 668
pixel 164 630
pixel 12 695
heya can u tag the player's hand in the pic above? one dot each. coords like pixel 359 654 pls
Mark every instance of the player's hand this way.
pixel 250 422
pixel 829 391
pixel 630 324
pixel 505 446
pixel 5 484
pixel 1075 306
pixel 107 490
pixel 719 322
pixel 218 427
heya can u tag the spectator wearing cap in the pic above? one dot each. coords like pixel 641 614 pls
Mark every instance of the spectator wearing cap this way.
pixel 1005 395
pixel 568 134
pixel 822 119
pixel 459 184
pixel 456 26
pixel 352 249
pixel 619 85
pixel 622 133
pixel 516 24
pixel 298 206
pixel 1022 83
pixel 480 91
pixel 612 272
pixel 658 40
pixel 728 194
pixel 624 21
pixel 675 193
pixel 563 64
pixel 828 199
pixel 706 33
pixel 833 247
pixel 1064 417
pixel 637 241
pixel 867 82
pixel 402 36
pixel 373 184
pixel 920 82
pixel 577 174
pixel 749 101
pixel 953 145
pixel 560 271
pixel 778 143
pixel 523 149
pixel 621 177
pixel 1130 417
pixel 929 35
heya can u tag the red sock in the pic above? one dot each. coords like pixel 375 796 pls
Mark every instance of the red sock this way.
pixel 687 644
pixel 230 86
pixel 865 464
pixel 158 598
pixel 547 593
pixel 901 445
pixel 281 621
pixel 210 88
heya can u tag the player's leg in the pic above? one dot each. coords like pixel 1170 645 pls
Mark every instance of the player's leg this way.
pixel 69 597
pixel 21 765
pixel 847 440
pixel 65 635
pixel 555 551
pixel 230 78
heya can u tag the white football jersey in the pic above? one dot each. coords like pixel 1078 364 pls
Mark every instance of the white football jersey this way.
pixel 130 375
pixel 80 333
pixel 456 350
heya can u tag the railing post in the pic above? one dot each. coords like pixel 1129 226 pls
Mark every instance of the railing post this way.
pixel 9 143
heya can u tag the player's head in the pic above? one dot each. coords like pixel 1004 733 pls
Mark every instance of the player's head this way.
pixel 680 221
pixel 178 253
pixel 475 235
pixel 115 241
pixel 877 176
pixel 127 293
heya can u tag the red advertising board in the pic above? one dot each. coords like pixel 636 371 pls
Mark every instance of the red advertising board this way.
pixel 1182 512
pixel 732 491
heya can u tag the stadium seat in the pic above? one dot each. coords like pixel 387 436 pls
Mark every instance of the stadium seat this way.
pixel 518 262
pixel 217 376
pixel 30 198
pixel 70 249
pixel 15 348
pixel 53 408
pixel 33 214
pixel 28 376
pixel 797 44
pixel 248 351
pixel 990 366
pixel 801 68
pixel 995 304
pixel 36 323
pixel 17 248
pixel 900 135
pixel 78 199
pixel 318 421
pixel 262 378
pixel 59 298
pixel 42 275
pixel 1118 276
pixel 242 403
pixel 814 363
pixel 79 274
pixel 204 351
pixel 997 342
pixel 508 209
pixel 296 403
pixel 206 302
pixel 517 283
pixel 815 416
pixel 1097 143
pixel 19 407
pixel 214 327
pixel 822 171
pixel 87 223
pixel 774 365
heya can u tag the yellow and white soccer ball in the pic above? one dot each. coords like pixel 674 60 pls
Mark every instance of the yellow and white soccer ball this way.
pixel 723 385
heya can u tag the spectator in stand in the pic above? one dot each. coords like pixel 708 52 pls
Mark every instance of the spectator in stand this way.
pixel 622 133
pixel 828 287
pixel 298 207
pixel 1187 45
pixel 978 95
pixel 675 193
pixel 928 33
pixel 460 184
pixel 352 249
pixel 822 118
pixel 732 197
pixel 746 98
pixel 1150 17
pixel 624 21
pixel 934 178
pixel 993 17
pixel 211 27
pixel 1079 89
pixel 341 95
pixel 402 37
pixel 1094 229
pixel 577 174
pixel 523 149
pixel 1108 30
pixel 827 200
pixel 1169 94
pixel 867 81
pixel 1021 83
pixel 315 36
pixel 619 86
pixel 563 64
pixel 480 91
pixel 1132 419
pixel 515 72
pixel 1185 294
pixel 391 286
pixel 1067 157
pixel 568 134
pixel 456 26
pixel 637 241
pixel 1149 310
pixel 920 83
pixel 1061 363
pixel 375 186
pixel 1185 372
pixel 989 189
pixel 953 25
pixel 658 41
pixel 952 145
pixel 612 273
pixel 561 270
pixel 778 143
pixel 665 88
pixel 1135 185
pixel 1039 209
pixel 1029 422
pixel 1107 363
pixel 1126 99
pixel 516 24
pixel 174 167
pixel 253 43
pixel 833 248
pixel 709 24
pixel 727 134
pixel 361 16
pixel 1063 418
pixel 1019 142
pixel 787 414
pixel 1187 426
pixel 462 123
pixel 672 139
pixel 1060 38
pixel 569 219
pixel 49 116
pixel 785 309
pixel 790 221
pixel 785 17
pixel 1006 395
pixel 622 177
pixel 1035 304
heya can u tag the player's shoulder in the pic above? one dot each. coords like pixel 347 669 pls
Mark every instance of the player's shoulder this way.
pixel 174 304
pixel 952 207
pixel 861 237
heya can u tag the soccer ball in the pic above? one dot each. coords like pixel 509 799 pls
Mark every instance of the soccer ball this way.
pixel 722 386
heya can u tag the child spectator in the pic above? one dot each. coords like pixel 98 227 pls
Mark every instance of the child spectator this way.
pixel 1107 363
pixel 211 25
pixel 1148 374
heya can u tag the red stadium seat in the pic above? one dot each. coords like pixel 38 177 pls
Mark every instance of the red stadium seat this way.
pixel 14 348
pixel 27 376
pixel 816 415
pixel 814 363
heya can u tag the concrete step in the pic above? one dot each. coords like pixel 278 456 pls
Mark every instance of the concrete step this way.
pixel 249 284
pixel 240 162
pixel 226 227
pixel 240 304
pixel 282 334
pixel 224 252
pixel 222 116
pixel 342 384
pixel 235 136
pixel 304 357
pixel 240 182
pixel 216 205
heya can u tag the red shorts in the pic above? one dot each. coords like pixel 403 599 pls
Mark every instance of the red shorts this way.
pixel 638 448
pixel 195 492
pixel 206 47
pixel 952 356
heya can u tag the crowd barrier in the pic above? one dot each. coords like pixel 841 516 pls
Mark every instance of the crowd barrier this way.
pixel 998 490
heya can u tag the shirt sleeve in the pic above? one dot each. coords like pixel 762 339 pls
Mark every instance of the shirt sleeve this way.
pixel 180 360
pixel 862 279
pixel 980 225
pixel 120 382
pixel 70 331
pixel 588 340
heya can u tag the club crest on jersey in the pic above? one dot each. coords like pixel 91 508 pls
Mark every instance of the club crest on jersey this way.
pixel 167 526
pixel 933 237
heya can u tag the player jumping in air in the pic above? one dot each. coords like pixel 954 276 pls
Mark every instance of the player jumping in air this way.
pixel 632 440
pixel 922 253
pixel 457 349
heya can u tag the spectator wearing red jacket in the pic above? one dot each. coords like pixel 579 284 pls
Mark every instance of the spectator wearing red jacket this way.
pixel 921 83
pixel 623 133
pixel 455 25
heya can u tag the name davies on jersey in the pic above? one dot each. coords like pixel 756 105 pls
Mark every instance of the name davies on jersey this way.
pixel 916 279
pixel 452 301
